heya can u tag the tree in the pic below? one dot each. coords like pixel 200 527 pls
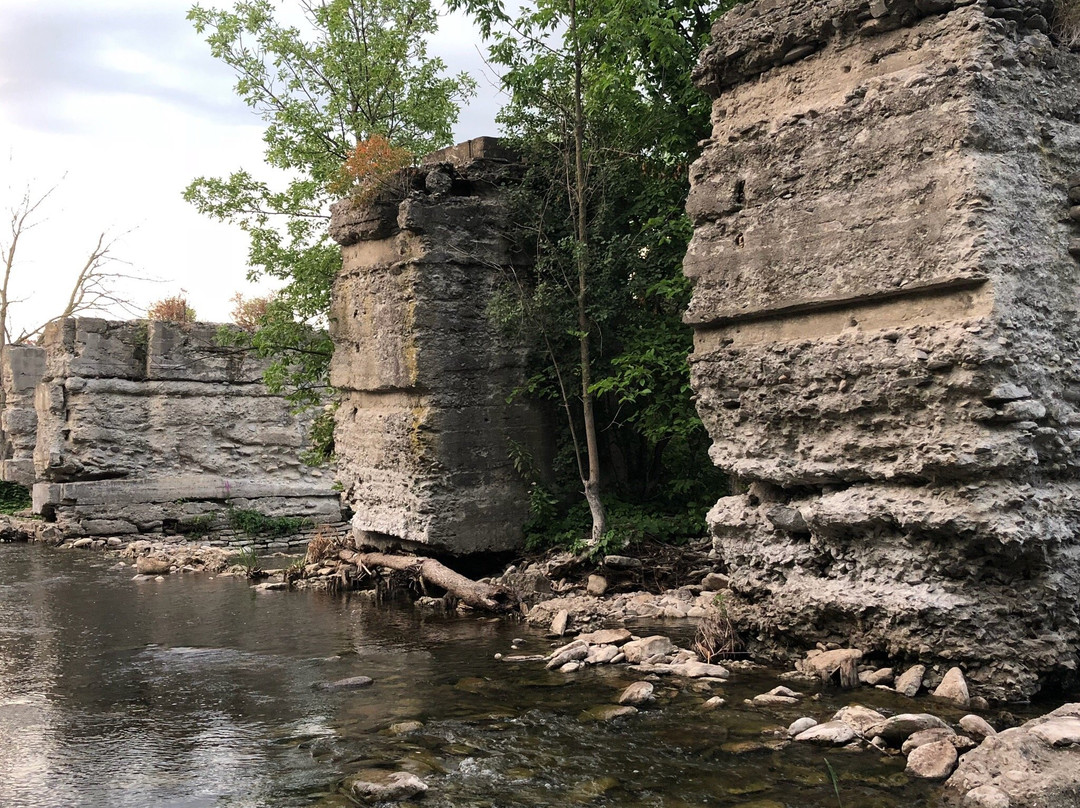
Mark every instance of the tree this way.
pixel 604 112
pixel 91 291
pixel 358 69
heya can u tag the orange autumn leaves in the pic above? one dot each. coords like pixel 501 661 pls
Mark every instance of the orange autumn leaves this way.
pixel 372 166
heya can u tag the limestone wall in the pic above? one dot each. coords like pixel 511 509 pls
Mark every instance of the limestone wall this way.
pixel 21 368
pixel 424 430
pixel 887 329
pixel 143 427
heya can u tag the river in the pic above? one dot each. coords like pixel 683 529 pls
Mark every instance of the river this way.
pixel 197 691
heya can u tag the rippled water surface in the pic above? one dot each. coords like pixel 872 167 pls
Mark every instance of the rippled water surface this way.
pixel 198 691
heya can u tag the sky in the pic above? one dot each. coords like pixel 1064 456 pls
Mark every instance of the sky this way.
pixel 118 105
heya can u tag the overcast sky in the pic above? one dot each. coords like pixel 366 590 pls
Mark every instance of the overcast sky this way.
pixel 119 104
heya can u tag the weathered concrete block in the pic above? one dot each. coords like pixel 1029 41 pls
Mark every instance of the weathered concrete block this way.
pixel 424 429
pixel 146 424
pixel 887 332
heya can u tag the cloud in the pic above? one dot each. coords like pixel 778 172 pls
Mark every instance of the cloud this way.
pixel 52 54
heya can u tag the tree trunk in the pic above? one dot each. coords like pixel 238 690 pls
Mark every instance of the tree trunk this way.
pixel 592 482
pixel 485 597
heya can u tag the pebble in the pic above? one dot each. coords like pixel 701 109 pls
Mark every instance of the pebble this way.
pixel 801 725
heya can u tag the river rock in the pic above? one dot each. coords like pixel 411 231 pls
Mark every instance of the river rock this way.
pixel 899 728
pixel 987 797
pixel 568 653
pixel 637 694
pixel 881 676
pixel 82 544
pixel 910 681
pixel 597 585
pixel 777 696
pixel 714 582
pixel 932 761
pixel 558 623
pixel 607 712
pixel 977 727
pixel 831 733
pixel 691 670
pixel 1064 731
pixel 152 565
pixel 352 683
pixel 858 717
pixel 801 725
pixel 601 654
pixel 925 736
pixel 954 688
pixel 712 703
pixel 606 636
pixel 573 666
pixel 647 647
pixel 1023 765
pixel 377 785
pixel 405 727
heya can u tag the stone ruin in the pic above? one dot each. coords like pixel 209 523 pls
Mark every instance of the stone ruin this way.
pixel 886 296
pixel 150 427
pixel 425 433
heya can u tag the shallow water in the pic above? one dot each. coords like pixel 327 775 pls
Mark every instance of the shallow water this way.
pixel 198 691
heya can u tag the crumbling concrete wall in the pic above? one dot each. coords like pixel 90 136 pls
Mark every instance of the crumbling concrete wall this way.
pixel 424 431
pixel 886 327
pixel 21 368
pixel 144 427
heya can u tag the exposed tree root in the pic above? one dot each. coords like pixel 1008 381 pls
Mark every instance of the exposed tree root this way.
pixel 484 597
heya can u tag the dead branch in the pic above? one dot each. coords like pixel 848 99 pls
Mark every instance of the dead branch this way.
pixel 484 597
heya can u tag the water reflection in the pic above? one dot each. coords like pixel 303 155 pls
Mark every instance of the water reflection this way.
pixel 196 691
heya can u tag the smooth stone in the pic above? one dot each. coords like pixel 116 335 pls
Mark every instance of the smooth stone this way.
pixel 977 727
pixel 568 653
pixel 714 582
pixel 558 623
pixel 831 733
pixel 405 727
pixel 766 700
pixel 987 797
pixel 827 663
pixel 606 636
pixel 597 585
pixel 910 681
pixel 1059 731
pixel 933 761
pixel 376 785
pixel 801 725
pixel 636 694
pixel 712 703
pixel 79 544
pixel 352 683
pixel 925 736
pixel 954 688
pixel 607 712
pixel 601 654
pixel 643 649
pixel 572 666
pixel 859 717
pixel 882 676
pixel 899 728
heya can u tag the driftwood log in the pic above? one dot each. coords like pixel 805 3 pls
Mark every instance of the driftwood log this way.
pixel 485 597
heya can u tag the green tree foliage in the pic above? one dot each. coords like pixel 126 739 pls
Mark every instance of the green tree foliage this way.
pixel 605 115
pixel 354 70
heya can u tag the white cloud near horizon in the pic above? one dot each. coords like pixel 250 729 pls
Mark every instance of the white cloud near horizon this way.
pixel 122 99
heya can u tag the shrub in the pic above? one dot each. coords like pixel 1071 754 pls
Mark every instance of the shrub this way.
pixel 370 168
pixel 254 523
pixel 249 313
pixel 171 310
pixel 13 497
pixel 1066 22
